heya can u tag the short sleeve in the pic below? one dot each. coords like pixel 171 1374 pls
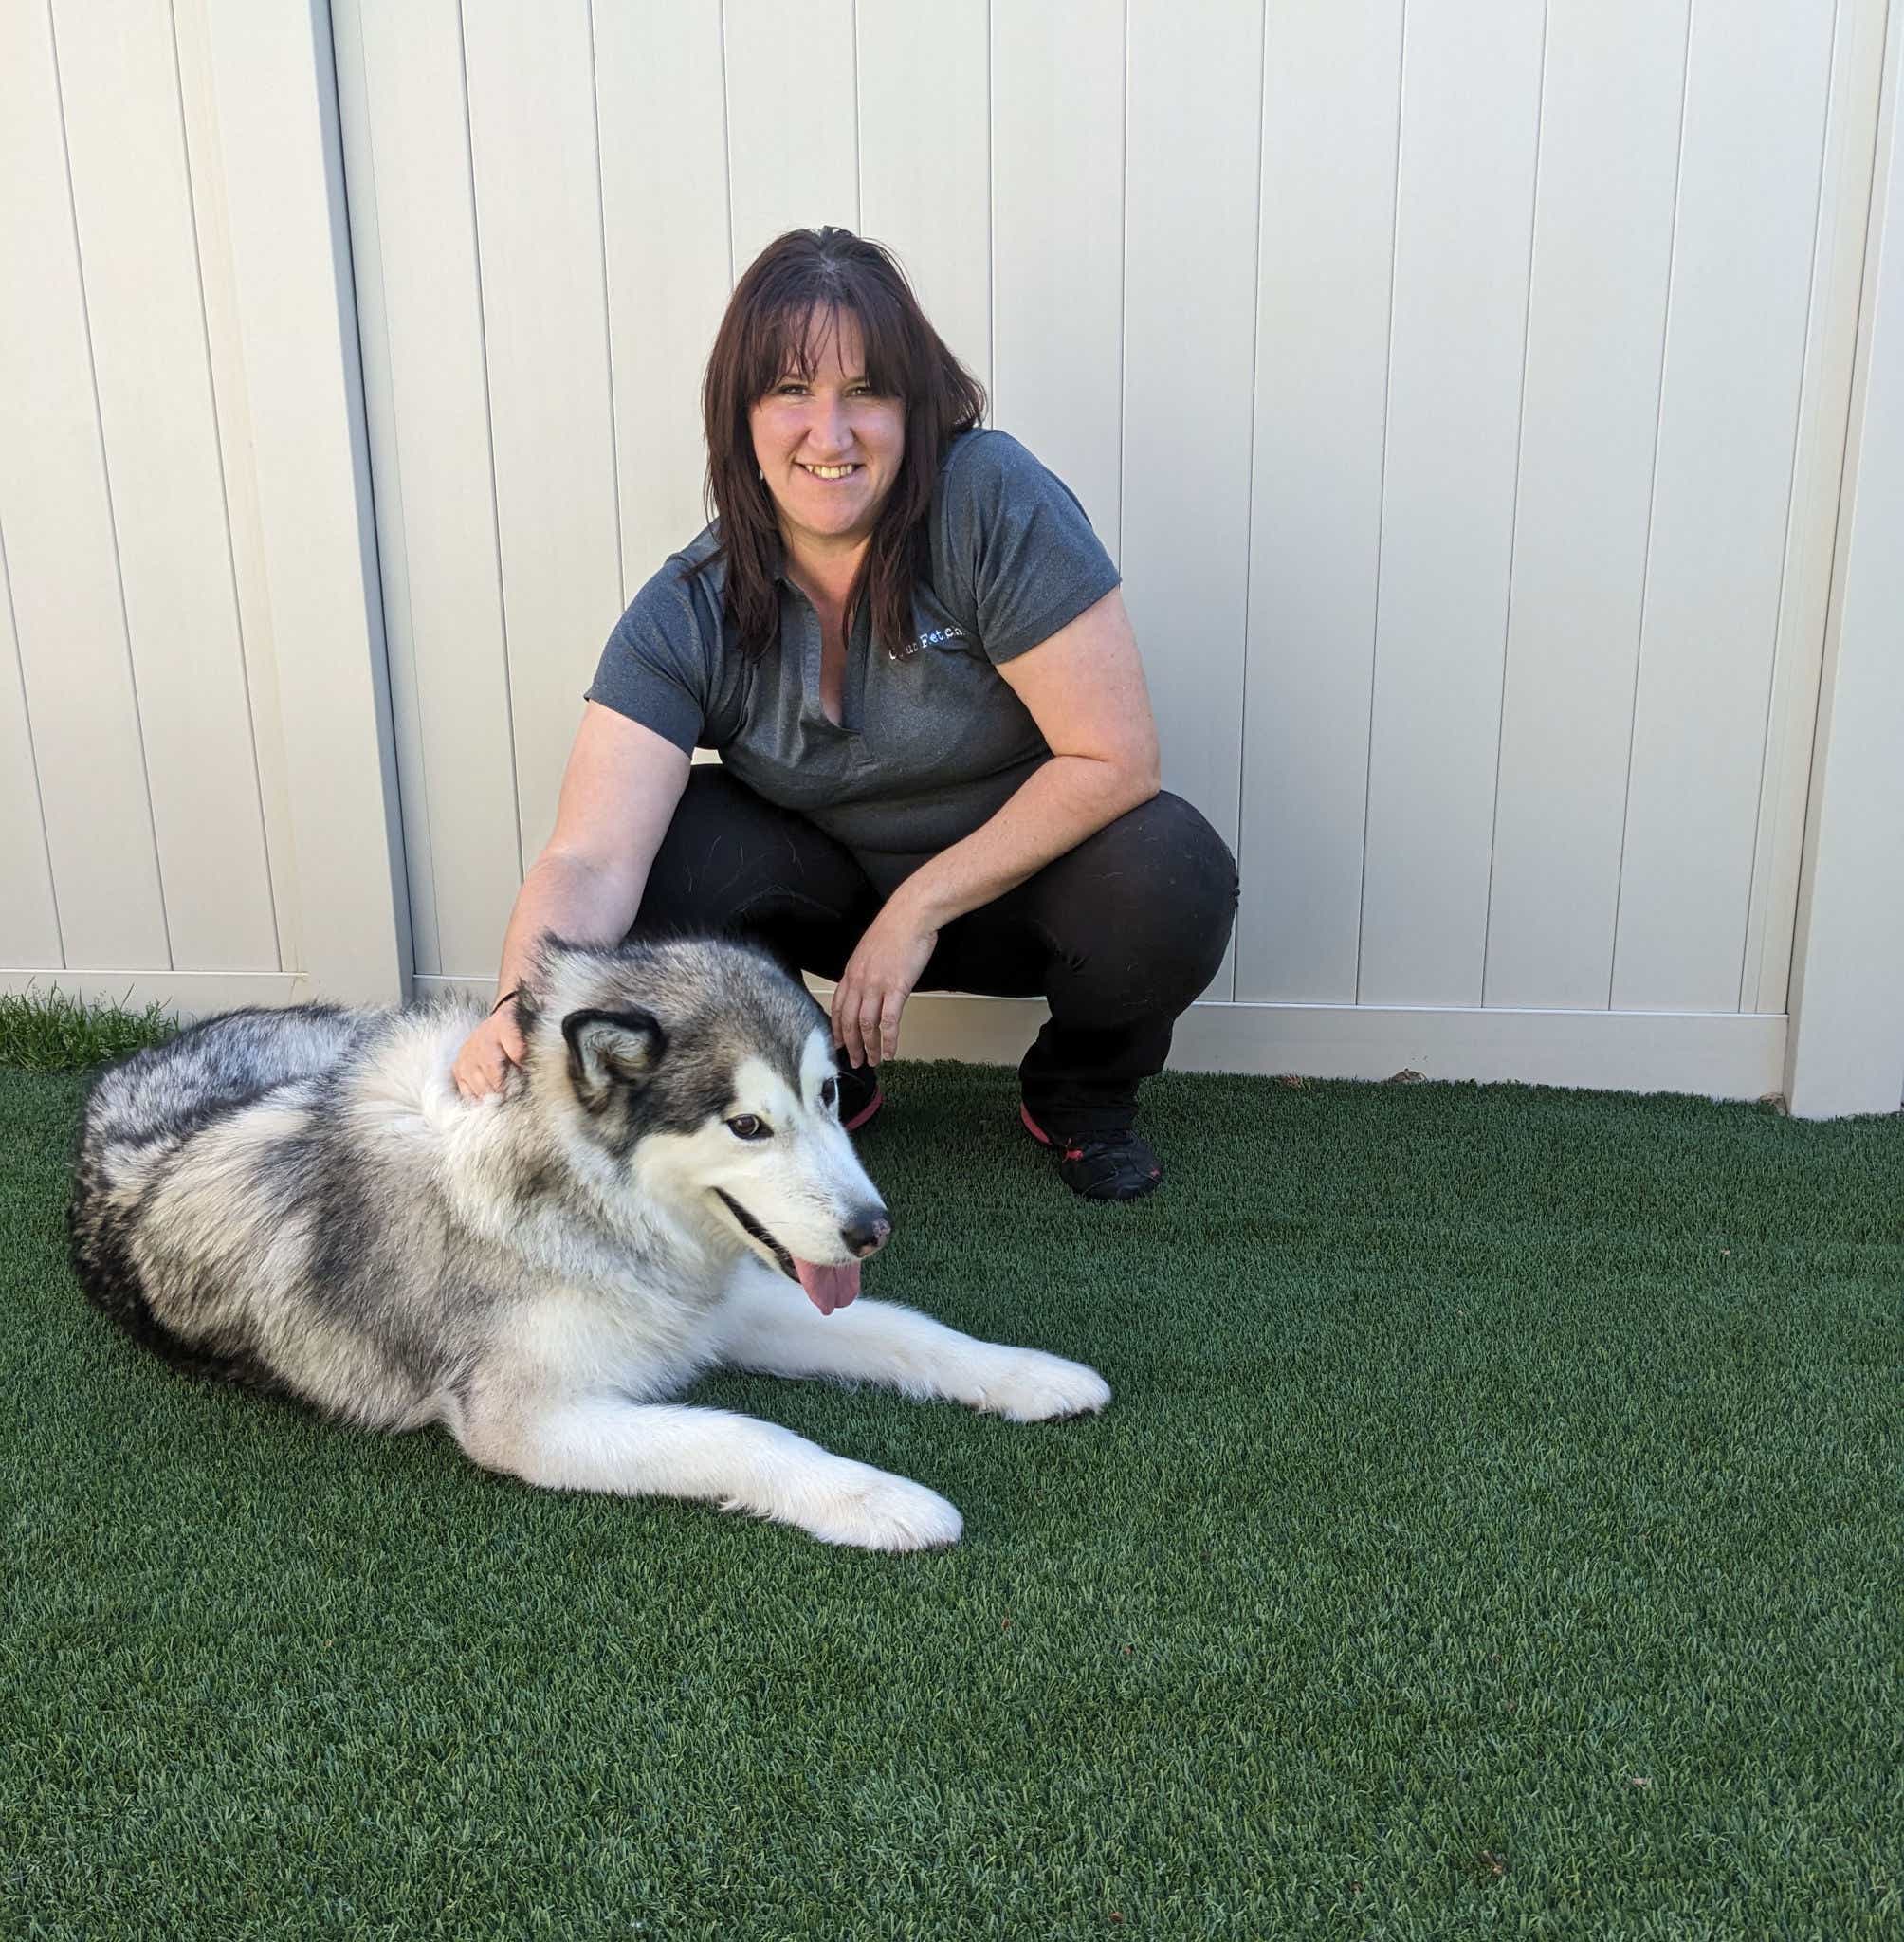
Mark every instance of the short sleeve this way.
pixel 656 668
pixel 1018 547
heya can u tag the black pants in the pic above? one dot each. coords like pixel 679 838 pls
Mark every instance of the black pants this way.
pixel 1117 936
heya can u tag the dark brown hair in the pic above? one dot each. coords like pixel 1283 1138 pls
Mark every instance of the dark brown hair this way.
pixel 768 332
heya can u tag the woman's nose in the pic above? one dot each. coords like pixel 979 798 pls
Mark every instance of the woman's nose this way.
pixel 829 428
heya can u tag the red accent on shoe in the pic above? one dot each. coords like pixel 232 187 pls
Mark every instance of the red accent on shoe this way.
pixel 866 1111
pixel 1119 1151
pixel 1043 1138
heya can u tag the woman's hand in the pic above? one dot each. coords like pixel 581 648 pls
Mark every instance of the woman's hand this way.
pixel 489 1055
pixel 876 982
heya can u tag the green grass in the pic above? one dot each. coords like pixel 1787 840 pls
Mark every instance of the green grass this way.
pixel 1496 1532
pixel 54 1032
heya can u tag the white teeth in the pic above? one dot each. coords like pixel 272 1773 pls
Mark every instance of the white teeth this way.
pixel 832 471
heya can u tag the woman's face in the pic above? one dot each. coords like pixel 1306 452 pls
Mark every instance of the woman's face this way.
pixel 829 449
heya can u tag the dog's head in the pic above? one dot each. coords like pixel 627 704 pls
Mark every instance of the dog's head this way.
pixel 701 1076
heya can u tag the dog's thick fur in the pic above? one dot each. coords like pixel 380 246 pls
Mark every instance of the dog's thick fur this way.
pixel 302 1201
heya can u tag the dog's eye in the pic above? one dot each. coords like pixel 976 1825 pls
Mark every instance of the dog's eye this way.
pixel 829 1092
pixel 745 1126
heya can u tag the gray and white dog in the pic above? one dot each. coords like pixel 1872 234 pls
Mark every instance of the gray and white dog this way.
pixel 301 1201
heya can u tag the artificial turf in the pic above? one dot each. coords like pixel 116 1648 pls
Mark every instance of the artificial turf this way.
pixel 1496 1531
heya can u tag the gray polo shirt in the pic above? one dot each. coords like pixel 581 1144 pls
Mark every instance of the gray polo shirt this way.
pixel 931 740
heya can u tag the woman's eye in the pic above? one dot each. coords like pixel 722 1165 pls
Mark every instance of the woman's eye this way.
pixel 745 1126
pixel 829 1092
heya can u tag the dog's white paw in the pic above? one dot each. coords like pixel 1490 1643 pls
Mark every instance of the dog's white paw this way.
pixel 879 1512
pixel 1028 1386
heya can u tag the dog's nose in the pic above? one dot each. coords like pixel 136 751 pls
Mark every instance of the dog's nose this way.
pixel 866 1234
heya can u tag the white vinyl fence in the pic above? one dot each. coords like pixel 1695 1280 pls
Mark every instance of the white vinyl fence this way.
pixel 1493 407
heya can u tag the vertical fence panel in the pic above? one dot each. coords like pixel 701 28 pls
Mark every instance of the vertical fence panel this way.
pixel 793 142
pixel 1748 185
pixel 1469 117
pixel 30 920
pixel 664 165
pixel 1057 243
pixel 56 524
pixel 925 169
pixel 212 234
pixel 1596 332
pixel 1190 281
pixel 1330 100
pixel 539 229
pixel 133 210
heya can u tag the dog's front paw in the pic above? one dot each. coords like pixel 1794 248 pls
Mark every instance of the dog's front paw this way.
pixel 1028 1386
pixel 880 1513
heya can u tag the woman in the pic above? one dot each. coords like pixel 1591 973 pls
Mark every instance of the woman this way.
pixel 939 765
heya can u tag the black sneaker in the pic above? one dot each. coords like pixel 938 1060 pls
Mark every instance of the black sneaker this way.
pixel 859 1094
pixel 1118 1166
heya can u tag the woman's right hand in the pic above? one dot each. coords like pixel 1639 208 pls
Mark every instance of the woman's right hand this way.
pixel 489 1055
pixel 619 795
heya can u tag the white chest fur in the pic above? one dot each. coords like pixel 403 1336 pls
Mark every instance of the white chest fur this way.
pixel 639 1343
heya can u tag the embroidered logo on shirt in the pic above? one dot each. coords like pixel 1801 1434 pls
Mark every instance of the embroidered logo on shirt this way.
pixel 929 639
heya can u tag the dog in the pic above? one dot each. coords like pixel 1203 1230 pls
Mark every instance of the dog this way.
pixel 301 1200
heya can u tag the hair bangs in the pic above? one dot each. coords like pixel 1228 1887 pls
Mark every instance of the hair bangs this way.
pixel 793 339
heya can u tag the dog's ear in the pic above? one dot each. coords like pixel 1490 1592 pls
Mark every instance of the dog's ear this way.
pixel 611 1048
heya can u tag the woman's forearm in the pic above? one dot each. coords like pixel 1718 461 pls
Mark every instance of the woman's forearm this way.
pixel 573 899
pixel 1055 809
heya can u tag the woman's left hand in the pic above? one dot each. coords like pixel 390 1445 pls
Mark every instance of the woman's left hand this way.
pixel 876 982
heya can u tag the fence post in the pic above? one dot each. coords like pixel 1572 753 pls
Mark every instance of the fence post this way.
pixel 1846 1051
pixel 281 166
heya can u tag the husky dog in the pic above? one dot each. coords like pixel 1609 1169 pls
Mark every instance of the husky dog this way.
pixel 302 1201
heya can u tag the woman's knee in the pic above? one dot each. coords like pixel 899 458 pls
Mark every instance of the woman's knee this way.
pixel 1175 850
pixel 1152 897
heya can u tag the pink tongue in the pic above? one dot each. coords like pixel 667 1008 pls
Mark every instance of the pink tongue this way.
pixel 829 1288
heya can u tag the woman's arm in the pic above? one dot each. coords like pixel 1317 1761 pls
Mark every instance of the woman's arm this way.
pixel 619 792
pixel 1085 688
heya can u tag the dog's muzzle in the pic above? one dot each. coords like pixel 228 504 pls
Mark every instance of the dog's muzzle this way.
pixel 827 1286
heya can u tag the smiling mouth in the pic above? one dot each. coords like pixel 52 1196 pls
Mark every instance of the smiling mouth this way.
pixel 752 1226
pixel 829 472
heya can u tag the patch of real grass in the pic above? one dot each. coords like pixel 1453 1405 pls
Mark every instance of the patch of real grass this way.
pixel 54 1032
